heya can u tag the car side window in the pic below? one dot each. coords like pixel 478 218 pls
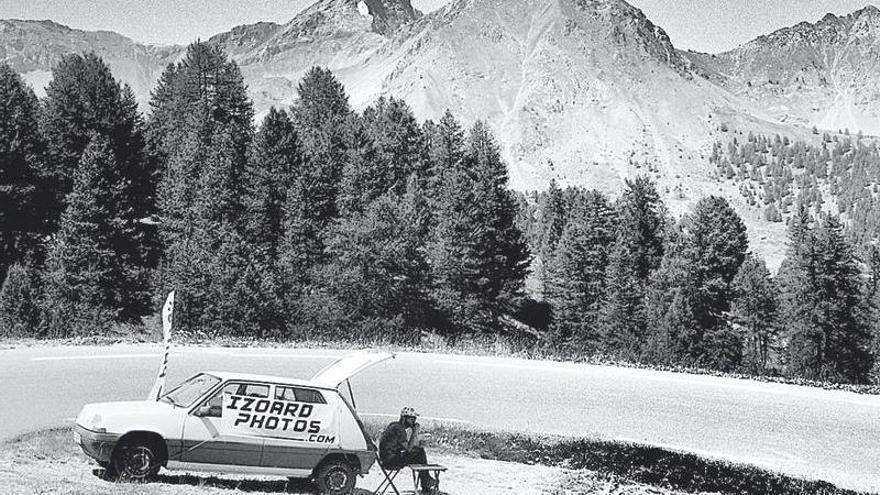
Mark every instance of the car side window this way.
pixel 215 403
pixel 299 395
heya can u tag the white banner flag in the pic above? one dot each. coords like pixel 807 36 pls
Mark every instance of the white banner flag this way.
pixel 167 312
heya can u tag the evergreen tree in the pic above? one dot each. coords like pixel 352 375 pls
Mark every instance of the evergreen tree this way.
pixel 364 178
pixel 376 279
pixel 83 99
pixel 324 121
pixel 399 146
pixel 201 130
pixel 22 210
pixel 444 147
pixel 718 244
pixel 89 283
pixel 329 134
pixel 387 148
pixel 478 256
pixel 274 168
pixel 636 253
pixel 575 284
pixel 754 310
pixel 698 272
pixel 872 296
pixel 670 302
pixel 824 311
pixel 553 212
pixel 19 302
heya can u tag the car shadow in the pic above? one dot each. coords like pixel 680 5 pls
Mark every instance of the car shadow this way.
pixel 247 485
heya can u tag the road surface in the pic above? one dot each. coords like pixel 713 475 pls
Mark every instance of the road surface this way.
pixel 801 431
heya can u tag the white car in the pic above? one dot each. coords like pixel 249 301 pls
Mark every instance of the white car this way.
pixel 239 423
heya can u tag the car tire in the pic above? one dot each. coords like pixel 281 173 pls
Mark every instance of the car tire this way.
pixel 135 462
pixel 335 477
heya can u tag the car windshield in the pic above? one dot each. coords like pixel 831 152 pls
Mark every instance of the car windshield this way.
pixel 185 394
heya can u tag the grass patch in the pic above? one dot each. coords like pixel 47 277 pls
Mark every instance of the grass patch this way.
pixel 626 461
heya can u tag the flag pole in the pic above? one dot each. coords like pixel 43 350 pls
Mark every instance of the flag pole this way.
pixel 167 312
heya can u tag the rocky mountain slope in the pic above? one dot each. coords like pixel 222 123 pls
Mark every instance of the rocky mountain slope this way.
pixel 33 47
pixel 825 74
pixel 587 92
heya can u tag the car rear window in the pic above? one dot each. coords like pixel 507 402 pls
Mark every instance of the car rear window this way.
pixel 299 395
pixel 252 390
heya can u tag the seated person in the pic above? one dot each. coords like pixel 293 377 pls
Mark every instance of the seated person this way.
pixel 397 450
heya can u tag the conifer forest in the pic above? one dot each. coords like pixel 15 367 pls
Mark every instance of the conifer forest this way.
pixel 322 223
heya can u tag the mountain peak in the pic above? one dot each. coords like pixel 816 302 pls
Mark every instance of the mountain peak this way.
pixel 388 15
pixel 41 24
pixel 868 10
pixel 330 17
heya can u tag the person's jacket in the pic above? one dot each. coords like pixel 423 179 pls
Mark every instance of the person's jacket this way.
pixel 393 442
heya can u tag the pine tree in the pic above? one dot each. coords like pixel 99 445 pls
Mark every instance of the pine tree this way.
pixel 274 168
pixel 824 311
pixel 376 276
pixel 19 302
pixel 23 213
pixel 84 99
pixel 329 135
pixel 673 334
pixel 364 178
pixel 635 254
pixel 444 147
pixel 718 244
pixel 575 285
pixel 399 145
pixel 872 297
pixel 698 271
pixel 324 121
pixel 553 212
pixel 478 256
pixel 754 310
pixel 88 281
pixel 201 130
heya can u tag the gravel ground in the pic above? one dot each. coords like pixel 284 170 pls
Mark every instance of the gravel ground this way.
pixel 48 462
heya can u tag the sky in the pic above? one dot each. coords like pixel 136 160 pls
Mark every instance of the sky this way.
pixel 703 25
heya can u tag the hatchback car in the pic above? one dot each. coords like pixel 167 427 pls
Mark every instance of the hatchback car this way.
pixel 239 423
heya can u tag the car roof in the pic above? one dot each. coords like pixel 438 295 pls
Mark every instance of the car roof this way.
pixel 281 380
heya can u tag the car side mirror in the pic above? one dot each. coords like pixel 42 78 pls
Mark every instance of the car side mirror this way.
pixel 202 411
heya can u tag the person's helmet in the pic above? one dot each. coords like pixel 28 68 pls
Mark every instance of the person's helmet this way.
pixel 409 412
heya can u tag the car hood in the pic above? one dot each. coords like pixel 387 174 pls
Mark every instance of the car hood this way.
pixel 104 415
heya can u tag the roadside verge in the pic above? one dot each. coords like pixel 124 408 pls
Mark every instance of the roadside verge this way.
pixel 483 462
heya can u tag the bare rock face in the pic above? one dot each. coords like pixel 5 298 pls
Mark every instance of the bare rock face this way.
pixel 586 92
pixel 825 74
pixel 33 47
pixel 389 15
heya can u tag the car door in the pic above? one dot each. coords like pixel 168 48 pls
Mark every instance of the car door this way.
pixel 211 439
pixel 307 429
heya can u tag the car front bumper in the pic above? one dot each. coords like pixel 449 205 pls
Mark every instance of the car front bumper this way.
pixel 99 446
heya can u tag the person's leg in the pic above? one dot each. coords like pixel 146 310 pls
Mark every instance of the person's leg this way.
pixel 396 462
pixel 417 455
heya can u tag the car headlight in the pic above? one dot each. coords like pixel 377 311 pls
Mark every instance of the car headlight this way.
pixel 96 423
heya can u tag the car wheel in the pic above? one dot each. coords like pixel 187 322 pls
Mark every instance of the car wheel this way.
pixel 135 462
pixel 335 478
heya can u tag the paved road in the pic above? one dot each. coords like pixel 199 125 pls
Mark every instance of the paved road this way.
pixel 828 435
